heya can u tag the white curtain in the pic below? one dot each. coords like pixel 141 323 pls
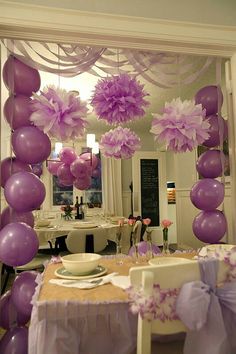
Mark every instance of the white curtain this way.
pixel 111 186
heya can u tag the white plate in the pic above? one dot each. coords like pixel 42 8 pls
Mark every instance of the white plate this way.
pixel 64 274
pixel 85 226
pixel 168 260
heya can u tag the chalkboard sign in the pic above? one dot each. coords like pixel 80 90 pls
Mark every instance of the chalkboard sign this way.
pixel 150 190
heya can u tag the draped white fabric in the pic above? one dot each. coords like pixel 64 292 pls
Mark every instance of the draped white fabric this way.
pixel 112 186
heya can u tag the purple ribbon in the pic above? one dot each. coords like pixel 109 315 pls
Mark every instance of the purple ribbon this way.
pixel 208 312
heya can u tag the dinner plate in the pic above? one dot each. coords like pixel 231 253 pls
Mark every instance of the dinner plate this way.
pixel 97 272
pixel 85 226
pixel 168 260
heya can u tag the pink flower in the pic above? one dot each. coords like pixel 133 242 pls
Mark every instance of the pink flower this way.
pixel 131 222
pixel 121 222
pixel 166 223
pixel 147 221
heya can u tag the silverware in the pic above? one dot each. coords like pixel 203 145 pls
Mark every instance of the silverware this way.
pixel 97 281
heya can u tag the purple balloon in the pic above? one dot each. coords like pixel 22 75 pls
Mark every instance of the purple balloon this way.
pixel 22 291
pixel 64 175
pixel 20 78
pixel 216 123
pixel 90 159
pixel 143 248
pixel 24 191
pixel 18 244
pixel 53 166
pixel 208 97
pixel 15 341
pixel 207 194
pixel 11 165
pixel 9 317
pixel 83 183
pixel 210 226
pixel 209 164
pixel 79 168
pixel 31 145
pixel 67 155
pixel 17 110
pixel 10 215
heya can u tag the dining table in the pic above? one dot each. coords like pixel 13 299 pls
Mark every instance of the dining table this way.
pixel 61 228
pixel 97 320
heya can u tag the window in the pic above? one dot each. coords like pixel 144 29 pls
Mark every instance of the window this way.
pixel 61 194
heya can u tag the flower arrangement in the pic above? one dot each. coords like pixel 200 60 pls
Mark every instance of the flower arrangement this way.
pixel 59 113
pixel 119 99
pixel 120 143
pixel 67 212
pixel 182 126
pixel 165 224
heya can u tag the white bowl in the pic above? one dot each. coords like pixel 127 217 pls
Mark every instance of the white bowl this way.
pixel 81 263
pixel 162 261
pixel 43 223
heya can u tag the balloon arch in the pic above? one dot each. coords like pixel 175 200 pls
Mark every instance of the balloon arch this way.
pixel 25 192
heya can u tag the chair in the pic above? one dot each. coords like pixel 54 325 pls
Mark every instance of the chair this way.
pixel 168 277
pixel 88 240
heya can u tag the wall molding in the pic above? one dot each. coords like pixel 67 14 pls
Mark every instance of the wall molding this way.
pixel 33 22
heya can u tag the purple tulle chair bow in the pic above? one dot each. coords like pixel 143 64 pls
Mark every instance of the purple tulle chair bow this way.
pixel 208 312
pixel 143 247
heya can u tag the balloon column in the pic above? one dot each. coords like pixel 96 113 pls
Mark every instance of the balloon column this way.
pixel 24 192
pixel 207 194
pixel 75 170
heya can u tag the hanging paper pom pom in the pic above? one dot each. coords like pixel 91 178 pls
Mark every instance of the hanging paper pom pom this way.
pixel 59 113
pixel 119 99
pixel 120 143
pixel 182 126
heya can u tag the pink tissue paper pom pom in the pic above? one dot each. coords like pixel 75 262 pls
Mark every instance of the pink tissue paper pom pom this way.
pixel 182 126
pixel 120 143
pixel 119 99
pixel 59 113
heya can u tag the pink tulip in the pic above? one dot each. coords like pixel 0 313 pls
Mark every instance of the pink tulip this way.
pixel 147 221
pixel 166 223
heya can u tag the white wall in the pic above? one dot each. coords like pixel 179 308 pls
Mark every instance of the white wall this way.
pixel 216 12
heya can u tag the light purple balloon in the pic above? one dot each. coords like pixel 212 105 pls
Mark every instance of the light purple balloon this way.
pixel 53 166
pixel 37 169
pixel 9 317
pixel 143 248
pixel 208 97
pixel 10 215
pixel 90 159
pixel 210 226
pixel 20 78
pixel 31 145
pixel 214 131
pixel 209 163
pixel 83 183
pixel 15 341
pixel 24 191
pixel 67 155
pixel 79 168
pixel 207 194
pixel 22 291
pixel 11 165
pixel 65 176
pixel 17 111
pixel 18 244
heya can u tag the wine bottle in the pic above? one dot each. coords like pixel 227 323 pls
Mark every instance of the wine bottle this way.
pixel 77 215
pixel 81 207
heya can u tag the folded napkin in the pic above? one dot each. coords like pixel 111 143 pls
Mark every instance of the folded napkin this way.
pixel 122 281
pixel 85 283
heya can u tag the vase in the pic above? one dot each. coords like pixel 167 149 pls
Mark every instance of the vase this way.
pixel 149 253
pixel 165 248
pixel 119 257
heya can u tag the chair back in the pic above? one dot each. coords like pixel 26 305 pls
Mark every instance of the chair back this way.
pixel 168 277
pixel 76 240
